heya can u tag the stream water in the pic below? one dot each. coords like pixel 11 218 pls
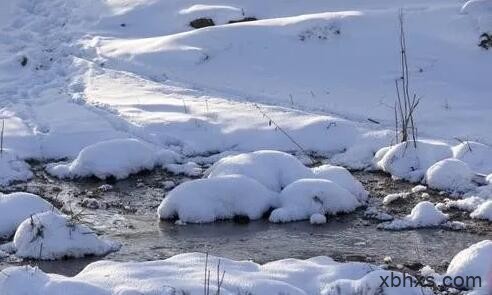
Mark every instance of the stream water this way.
pixel 127 213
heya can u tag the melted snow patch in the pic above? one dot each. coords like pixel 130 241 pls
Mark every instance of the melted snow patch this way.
pixel 118 158
pixel 210 199
pixel 450 175
pixel 50 236
pixel 16 207
pixel 305 197
pixel 424 214
pixel 410 162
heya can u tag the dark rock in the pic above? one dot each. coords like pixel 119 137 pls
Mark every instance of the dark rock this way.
pixel 246 19
pixel 23 60
pixel 241 219
pixel 202 23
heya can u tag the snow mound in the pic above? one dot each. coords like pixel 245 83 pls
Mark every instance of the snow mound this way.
pixel 317 218
pixel 475 260
pixel 273 169
pixel 183 274
pixel 483 211
pixel 117 157
pixel 343 178
pixel 405 161
pixel 478 156
pixel 466 204
pixel 450 175
pixel 16 207
pixel 12 168
pixel 424 214
pixel 305 197
pixel 210 199
pixel 388 199
pixel 50 236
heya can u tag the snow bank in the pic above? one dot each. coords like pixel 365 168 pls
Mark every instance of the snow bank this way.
pixel 183 274
pixel 405 161
pixel 12 168
pixel 117 157
pixel 210 199
pixel 273 169
pixel 483 211
pixel 424 214
pixel 475 260
pixel 478 156
pixel 16 207
pixel 50 236
pixel 343 178
pixel 450 175
pixel 305 197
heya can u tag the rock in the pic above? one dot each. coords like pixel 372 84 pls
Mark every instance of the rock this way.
pixel 202 23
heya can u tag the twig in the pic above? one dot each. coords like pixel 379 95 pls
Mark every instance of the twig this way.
pixel 1 138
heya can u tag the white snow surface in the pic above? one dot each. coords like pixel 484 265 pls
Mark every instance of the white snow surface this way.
pixel 16 207
pixel 424 214
pixel 117 157
pixel 483 211
pixel 410 162
pixel 12 168
pixel 49 236
pixel 475 260
pixel 343 178
pixel 305 197
pixel 478 156
pixel 211 199
pixel 451 175
pixel 184 273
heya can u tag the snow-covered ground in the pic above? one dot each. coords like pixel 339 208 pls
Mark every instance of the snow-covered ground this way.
pixel 108 88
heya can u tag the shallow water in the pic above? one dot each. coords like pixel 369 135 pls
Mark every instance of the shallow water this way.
pixel 130 218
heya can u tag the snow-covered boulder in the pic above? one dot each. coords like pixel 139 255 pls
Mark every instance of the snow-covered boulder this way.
pixel 12 168
pixel 343 178
pixel 450 175
pixel 50 236
pixel 478 156
pixel 273 169
pixel 483 211
pixel 16 207
pixel 424 214
pixel 410 162
pixel 305 197
pixel 117 157
pixel 473 261
pixel 210 199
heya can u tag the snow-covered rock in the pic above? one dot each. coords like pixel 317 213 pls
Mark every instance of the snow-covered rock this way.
pixel 50 236
pixel 317 218
pixel 305 197
pixel 478 156
pixel 183 274
pixel 117 157
pixel 16 207
pixel 473 261
pixel 466 204
pixel 388 199
pixel 12 168
pixel 450 175
pixel 210 199
pixel 424 214
pixel 405 161
pixel 483 211
pixel 343 178
pixel 220 14
pixel 273 169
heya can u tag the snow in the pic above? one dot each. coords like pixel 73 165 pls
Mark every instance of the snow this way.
pixel 466 204
pixel 50 236
pixel 343 178
pixel 388 199
pixel 275 170
pixel 211 199
pixel 424 214
pixel 483 211
pixel 405 161
pixel 12 168
pixel 16 207
pixel 220 14
pixel 183 273
pixel 475 260
pixel 305 197
pixel 419 188
pixel 450 175
pixel 117 157
pixel 317 218
pixel 478 156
